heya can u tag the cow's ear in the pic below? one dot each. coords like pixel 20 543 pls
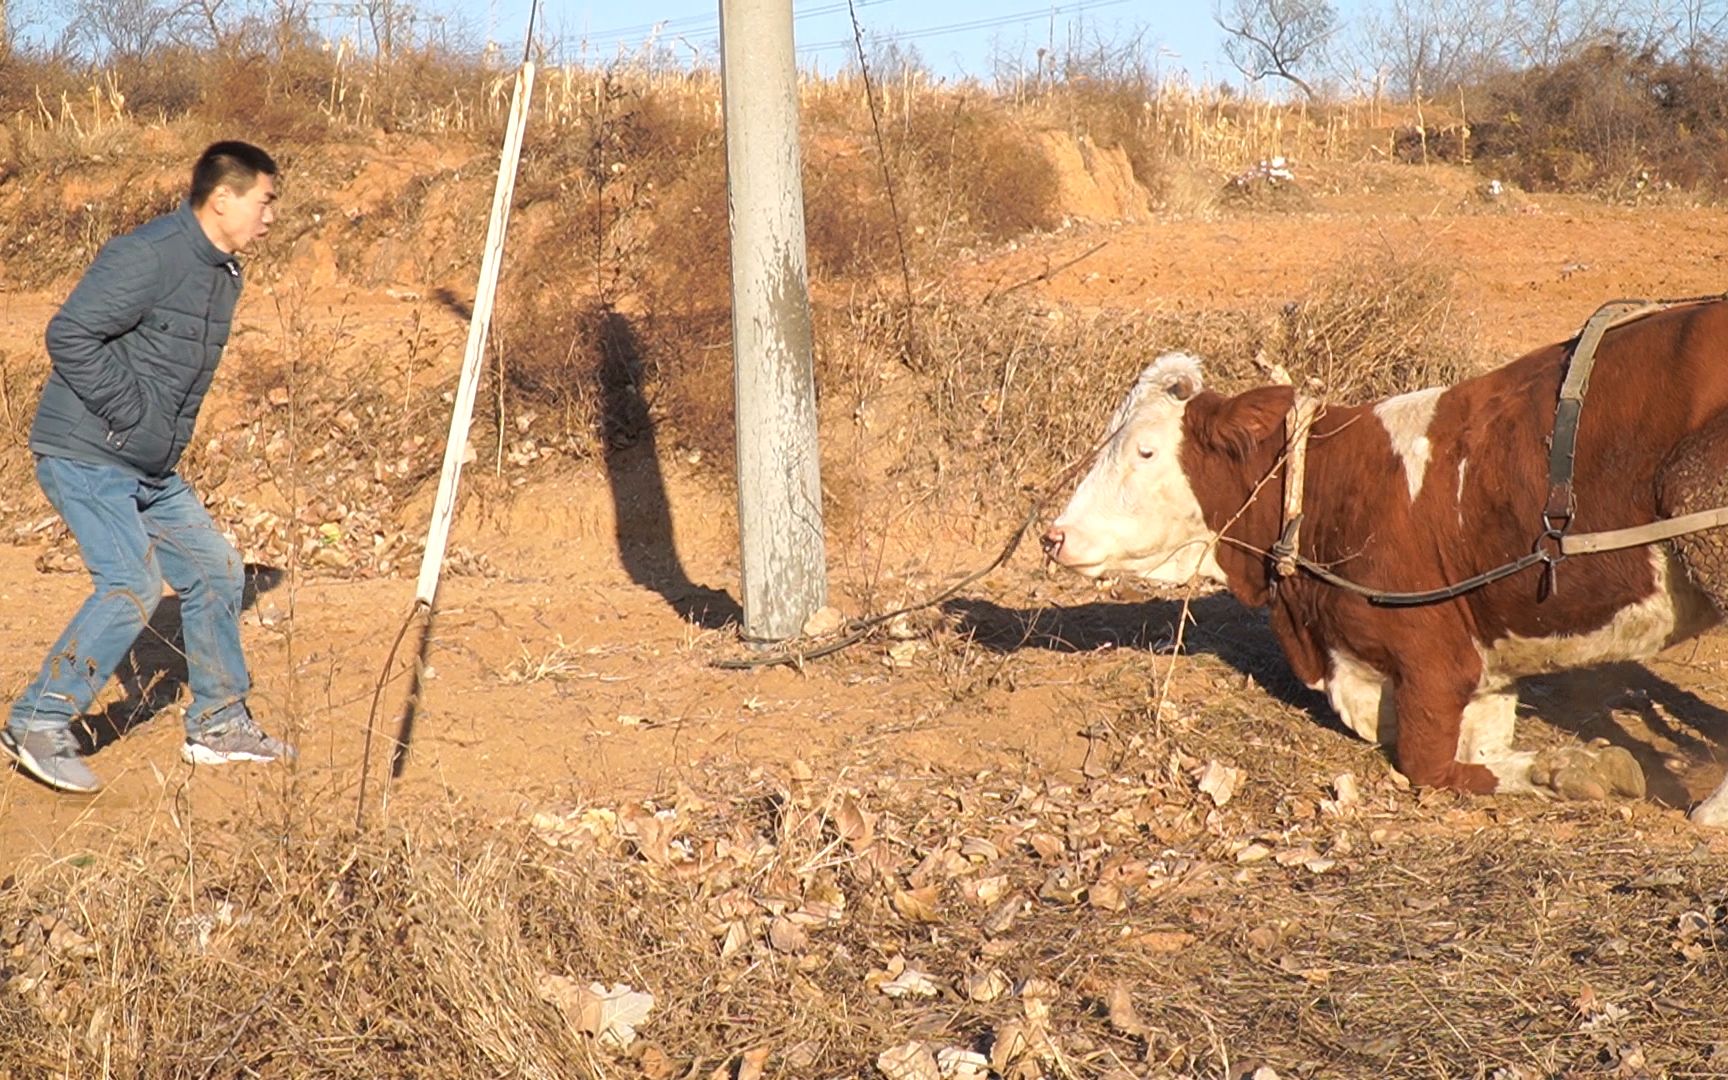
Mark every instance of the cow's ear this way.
pixel 1183 386
pixel 1176 374
pixel 1237 425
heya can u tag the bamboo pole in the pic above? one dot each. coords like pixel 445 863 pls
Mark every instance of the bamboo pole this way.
pixel 461 416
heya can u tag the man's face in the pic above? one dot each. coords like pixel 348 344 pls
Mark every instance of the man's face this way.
pixel 245 218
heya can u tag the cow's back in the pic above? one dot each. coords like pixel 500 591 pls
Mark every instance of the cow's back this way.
pixel 1428 489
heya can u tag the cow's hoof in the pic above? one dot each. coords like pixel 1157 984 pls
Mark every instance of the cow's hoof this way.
pixel 1588 773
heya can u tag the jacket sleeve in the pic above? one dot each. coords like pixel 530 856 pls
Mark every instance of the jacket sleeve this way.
pixel 113 297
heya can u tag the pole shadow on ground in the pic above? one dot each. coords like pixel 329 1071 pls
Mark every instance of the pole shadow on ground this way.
pixel 642 511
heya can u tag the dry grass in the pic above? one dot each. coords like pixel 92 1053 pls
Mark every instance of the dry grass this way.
pixel 1377 326
pixel 1129 922
pixel 1022 390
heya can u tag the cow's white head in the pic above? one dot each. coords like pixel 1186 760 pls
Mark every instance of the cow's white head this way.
pixel 1136 511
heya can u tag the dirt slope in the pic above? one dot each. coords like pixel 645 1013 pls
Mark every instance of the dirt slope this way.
pixel 579 660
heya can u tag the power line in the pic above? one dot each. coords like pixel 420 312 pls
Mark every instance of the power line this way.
pixel 976 24
pixel 703 24
pixel 697 25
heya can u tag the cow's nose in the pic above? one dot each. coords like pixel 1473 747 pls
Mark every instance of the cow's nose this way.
pixel 1052 541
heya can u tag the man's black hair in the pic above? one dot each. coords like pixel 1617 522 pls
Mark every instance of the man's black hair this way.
pixel 237 164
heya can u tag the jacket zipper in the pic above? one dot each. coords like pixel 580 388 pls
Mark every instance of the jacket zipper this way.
pixel 203 359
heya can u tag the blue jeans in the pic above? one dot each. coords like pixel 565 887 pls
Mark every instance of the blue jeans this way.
pixel 133 533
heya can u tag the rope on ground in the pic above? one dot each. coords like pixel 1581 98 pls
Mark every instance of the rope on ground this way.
pixel 859 629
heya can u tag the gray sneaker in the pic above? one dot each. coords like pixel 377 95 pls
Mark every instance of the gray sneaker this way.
pixel 234 738
pixel 51 757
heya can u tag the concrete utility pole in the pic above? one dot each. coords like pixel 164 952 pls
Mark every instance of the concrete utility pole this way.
pixel 779 476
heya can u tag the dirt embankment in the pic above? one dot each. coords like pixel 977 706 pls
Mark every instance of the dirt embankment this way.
pixel 1024 817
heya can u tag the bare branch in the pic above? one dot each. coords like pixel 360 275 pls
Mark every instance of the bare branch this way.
pixel 1276 37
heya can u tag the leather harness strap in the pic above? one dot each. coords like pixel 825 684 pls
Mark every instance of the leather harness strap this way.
pixel 1557 513
pixel 1562 447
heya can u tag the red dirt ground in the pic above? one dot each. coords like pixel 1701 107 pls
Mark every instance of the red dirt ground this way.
pixel 626 700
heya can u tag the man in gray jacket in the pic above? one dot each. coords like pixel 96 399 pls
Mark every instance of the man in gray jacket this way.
pixel 133 350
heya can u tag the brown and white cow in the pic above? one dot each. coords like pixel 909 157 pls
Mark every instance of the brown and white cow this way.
pixel 1419 492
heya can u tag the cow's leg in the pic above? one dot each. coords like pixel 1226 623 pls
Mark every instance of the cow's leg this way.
pixel 1571 772
pixel 1714 810
pixel 1430 720
pixel 1463 740
pixel 1362 698
pixel 1486 734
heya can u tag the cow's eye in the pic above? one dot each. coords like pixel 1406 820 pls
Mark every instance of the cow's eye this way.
pixel 1147 453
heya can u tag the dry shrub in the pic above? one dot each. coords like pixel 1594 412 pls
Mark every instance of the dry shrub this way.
pixel 43 240
pixel 1105 95
pixel 27 78
pixel 170 81
pixel 849 225
pixel 1374 327
pixel 978 166
pixel 808 924
pixel 1022 391
pixel 617 311
pixel 579 368
pixel 321 953
pixel 277 100
pixel 1607 120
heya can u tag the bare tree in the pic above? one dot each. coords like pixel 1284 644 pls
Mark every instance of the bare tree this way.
pixel 1276 37
pixel 128 28
pixel 1547 31
pixel 209 17
pixel 1692 30
pixel 1431 46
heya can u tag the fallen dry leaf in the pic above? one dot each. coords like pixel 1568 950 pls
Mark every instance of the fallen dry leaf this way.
pixel 1162 941
pixel 979 849
pixel 984 986
pixel 1009 1044
pixel 984 890
pixel 1106 896
pixel 1346 793
pixel 1123 1016
pixel 917 905
pixel 752 1065
pixel 908 1061
pixel 855 826
pixel 785 936
pixel 1001 917
pixel 1219 781
pixel 1047 846
pixel 899 981
pixel 955 1063
pixel 610 1016
pixel 1252 853
pixel 656 1064
pixel 824 620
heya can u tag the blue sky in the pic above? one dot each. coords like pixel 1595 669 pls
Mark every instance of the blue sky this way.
pixel 954 37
